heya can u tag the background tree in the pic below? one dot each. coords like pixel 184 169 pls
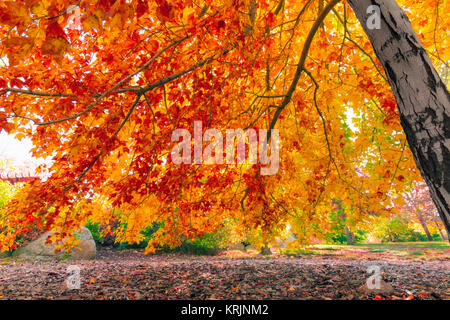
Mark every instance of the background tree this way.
pixel 420 207
pixel 422 97
pixel 102 99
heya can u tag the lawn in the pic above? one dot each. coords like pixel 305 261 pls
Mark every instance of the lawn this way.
pixel 391 251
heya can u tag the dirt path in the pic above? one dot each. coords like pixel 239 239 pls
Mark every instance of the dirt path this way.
pixel 130 275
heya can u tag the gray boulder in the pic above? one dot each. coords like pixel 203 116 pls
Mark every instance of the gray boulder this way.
pixel 38 249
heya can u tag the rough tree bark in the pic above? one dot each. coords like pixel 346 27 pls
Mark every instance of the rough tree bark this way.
pixel 422 98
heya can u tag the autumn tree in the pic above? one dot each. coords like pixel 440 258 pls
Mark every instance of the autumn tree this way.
pixel 100 87
pixel 422 97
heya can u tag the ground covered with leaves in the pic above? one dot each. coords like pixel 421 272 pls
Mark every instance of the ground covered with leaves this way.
pixel 323 273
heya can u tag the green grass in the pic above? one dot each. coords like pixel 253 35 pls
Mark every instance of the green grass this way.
pixel 431 245
pixel 328 249
pixel 396 246
pixel 298 252
pixel 425 249
pixel 416 253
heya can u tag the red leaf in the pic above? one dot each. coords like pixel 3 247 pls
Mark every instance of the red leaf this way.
pixel 141 8
pixel 54 30
pixel 165 10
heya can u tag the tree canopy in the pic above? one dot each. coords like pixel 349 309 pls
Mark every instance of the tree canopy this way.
pixel 100 86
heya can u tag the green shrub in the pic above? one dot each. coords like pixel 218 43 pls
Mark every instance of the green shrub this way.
pixel 437 237
pixel 208 244
pixel 361 235
pixel 97 231
pixel 394 230
pixel 147 234
pixel 397 229
pixel 94 228
pixel 7 191
pixel 337 233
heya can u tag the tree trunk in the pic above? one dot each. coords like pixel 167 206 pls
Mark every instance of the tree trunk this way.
pixel 266 250
pixel 422 98
pixel 424 227
pixel 391 237
pixel 350 237
pixel 439 230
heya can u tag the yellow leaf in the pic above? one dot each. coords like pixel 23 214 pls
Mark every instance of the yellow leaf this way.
pixel 20 48
pixel 38 9
pixel 19 136
pixel 55 46
pixel 91 21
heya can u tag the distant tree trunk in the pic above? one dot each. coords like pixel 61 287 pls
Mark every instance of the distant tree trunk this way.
pixel 245 244
pixel 391 237
pixel 439 230
pixel 266 250
pixel 423 223
pixel 350 236
pixel 445 236
pixel 422 98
